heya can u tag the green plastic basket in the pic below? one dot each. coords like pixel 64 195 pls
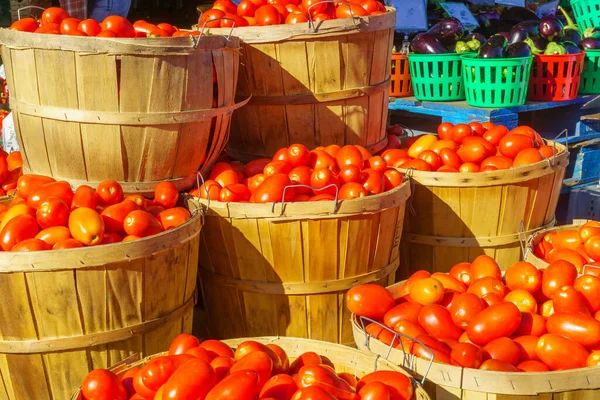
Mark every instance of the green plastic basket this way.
pixel 586 13
pixel 437 77
pixel 590 77
pixel 496 82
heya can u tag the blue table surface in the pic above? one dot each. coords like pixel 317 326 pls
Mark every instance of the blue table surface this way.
pixel 440 108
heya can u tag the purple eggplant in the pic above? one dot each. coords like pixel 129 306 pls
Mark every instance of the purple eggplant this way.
pixel 424 43
pixel 518 50
pixel 477 36
pixel 590 44
pixel 551 27
pixel 448 30
pixel 537 45
pixel 497 41
pixel 522 31
pixel 571 48
pixel 490 51
pixel 571 35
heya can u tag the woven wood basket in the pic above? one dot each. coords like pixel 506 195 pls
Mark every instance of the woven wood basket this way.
pixel 66 312
pixel 456 217
pixel 137 111
pixel 315 85
pixel 284 269
pixel 449 382
pixel 344 358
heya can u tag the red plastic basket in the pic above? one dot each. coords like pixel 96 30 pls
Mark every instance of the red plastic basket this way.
pixel 400 82
pixel 555 77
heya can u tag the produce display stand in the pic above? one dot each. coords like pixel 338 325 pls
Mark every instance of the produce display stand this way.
pixel 449 382
pixel 293 262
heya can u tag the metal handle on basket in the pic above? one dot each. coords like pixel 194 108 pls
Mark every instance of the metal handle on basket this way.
pixel 26 8
pixel 523 240
pixel 590 266
pixel 203 212
pixel 196 39
pixel 397 335
pixel 565 132
pixel 311 22
pixel 331 185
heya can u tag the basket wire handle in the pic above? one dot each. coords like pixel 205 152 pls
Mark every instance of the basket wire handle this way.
pixel 590 266
pixel 411 182
pixel 203 210
pixel 409 359
pixel 564 132
pixel 523 240
pixel 196 39
pixel 27 8
pixel 331 185
pixel 311 23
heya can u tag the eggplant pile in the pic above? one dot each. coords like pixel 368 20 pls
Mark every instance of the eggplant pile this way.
pixel 441 38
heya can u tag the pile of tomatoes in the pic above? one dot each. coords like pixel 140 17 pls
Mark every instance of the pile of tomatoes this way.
pixel 46 214
pixel 579 247
pixel 10 168
pixel 211 370
pixel 225 13
pixel 351 171
pixel 473 147
pixel 529 320
pixel 57 21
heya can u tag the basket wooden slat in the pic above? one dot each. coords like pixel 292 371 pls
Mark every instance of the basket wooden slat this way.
pixel 315 88
pixel 92 307
pixel 89 109
pixel 292 266
pixel 449 382
pixel 538 236
pixel 460 216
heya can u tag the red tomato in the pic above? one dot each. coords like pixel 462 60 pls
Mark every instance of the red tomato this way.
pixel 67 244
pixel 349 155
pixel 498 162
pixel 523 275
pixel 114 215
pixel 192 380
pixel 377 163
pixel 588 230
pixel 569 255
pixel 174 217
pixel 568 239
pixel 529 132
pixel 512 144
pixel 110 238
pixel 418 165
pixel 464 307
pixel 49 28
pixel 141 224
pixel 443 144
pixel 528 156
pixel 461 272
pixel 217 348
pixel 459 132
pixel 119 25
pixel 272 189
pixel 109 192
pixel 559 352
pixel 466 355
pixel 498 365
pixel 257 361
pixel 52 212
pixel 352 190
pixel 314 6
pixel 589 287
pixel 495 134
pixel 503 349
pixel 299 155
pixel 548 151
pixel 494 322
pixel 431 158
pixel 166 194
pixel 369 300
pixel 236 192
pixel 308 358
pixel 242 385
pixel 322 159
pixel 568 299
pixel 25 25
pixel 478 129
pixel 320 178
pixel 350 173
pixel 592 247
pixel 31 245
pixel 257 166
pixel 183 343
pixel 312 393
pixel 54 234
pixel 527 347
pixel 533 366
pixel 373 181
pixel 393 178
pixel 488 285
pixel 437 322
pixel 578 327
pixel 427 291
pixel 399 385
pixel 441 351
pixel 279 387
pixel 267 15
pixel 404 311
pixel 558 274
pixel 444 130
pixel 472 152
pixel 19 228
pixel 69 25
pixel 450 283
pixel 102 384
pixel 374 391
pixel 53 15
pixel 246 8
pixel 60 189
pixel 110 34
pixel 409 329
pixel 469 167
pixel 485 266
pixel 85 196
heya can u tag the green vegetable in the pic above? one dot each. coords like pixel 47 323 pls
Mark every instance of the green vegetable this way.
pixel 592 33
pixel 461 47
pixel 555 49
pixel 474 44
pixel 570 23
pixel 534 49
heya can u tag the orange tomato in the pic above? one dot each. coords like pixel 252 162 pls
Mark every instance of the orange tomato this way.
pixel 54 234
pixel 166 194
pixel 427 291
pixel 18 209
pixel 418 165
pixel 236 192
pixel 533 366
pixel 588 230
pixel 523 299
pixel 349 155
pixel 114 215
pixel 558 274
pixel 528 156
pixel 560 353
pixel 526 345
pixel 566 239
pixel 424 142
pixel 592 247
pixel 498 162
pixel 109 192
pixel 593 359
pixel 468 167
pixel 523 275
pixel 547 308
pixel 450 283
pixel 141 224
pixel 351 190
pixel 589 287
pixel 548 151
pixel 19 228
pixel 377 163
pixel 209 189
pixel 299 155
pixel 322 159
pixel 431 158
pixel 443 144
pixel 569 255
pixel 173 217
pixel 393 156
pixel 138 199
pixel 484 266
pixel 85 196
pixel 498 365
pixel 86 226
pixel 531 325
pixel 487 285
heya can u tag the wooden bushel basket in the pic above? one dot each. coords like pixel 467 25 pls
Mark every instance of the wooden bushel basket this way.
pixel 284 269
pixel 459 216
pixel 137 111
pixel 533 240
pixel 345 359
pixel 66 312
pixel 320 84
pixel 449 382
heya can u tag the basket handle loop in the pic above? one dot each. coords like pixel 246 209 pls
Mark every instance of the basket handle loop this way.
pixel 331 185
pixel 203 211
pixel 311 23
pixel 408 358
pixel 588 266
pixel 523 240
pixel 564 132
pixel 196 39
pixel 27 8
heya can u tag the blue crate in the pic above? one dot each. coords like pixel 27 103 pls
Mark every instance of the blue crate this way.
pixel 583 203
